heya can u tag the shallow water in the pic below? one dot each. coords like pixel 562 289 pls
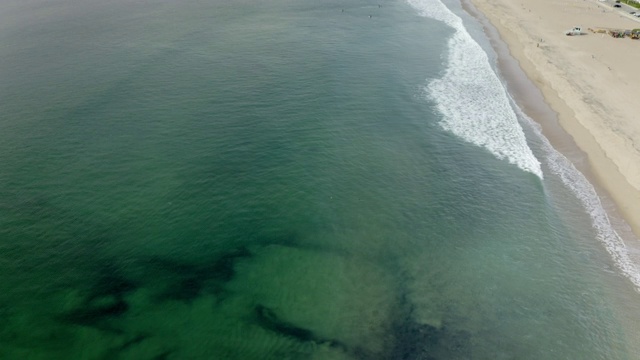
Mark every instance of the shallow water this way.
pixel 239 180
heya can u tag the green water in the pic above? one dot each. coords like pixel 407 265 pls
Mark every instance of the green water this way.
pixel 267 180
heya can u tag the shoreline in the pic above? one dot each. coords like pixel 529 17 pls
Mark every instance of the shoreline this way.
pixel 576 105
pixel 553 115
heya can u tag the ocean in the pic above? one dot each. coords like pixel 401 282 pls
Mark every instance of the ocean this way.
pixel 289 180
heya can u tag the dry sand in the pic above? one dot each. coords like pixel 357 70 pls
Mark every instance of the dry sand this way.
pixel 592 81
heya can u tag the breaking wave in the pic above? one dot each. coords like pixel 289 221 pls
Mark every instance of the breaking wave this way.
pixel 477 108
pixel 471 97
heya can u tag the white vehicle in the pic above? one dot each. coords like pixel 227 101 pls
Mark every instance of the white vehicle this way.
pixel 575 31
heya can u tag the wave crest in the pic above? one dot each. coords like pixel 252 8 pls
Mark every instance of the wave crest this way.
pixel 471 97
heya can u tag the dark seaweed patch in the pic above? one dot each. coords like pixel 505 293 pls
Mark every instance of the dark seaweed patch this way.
pixel 408 339
pixel 193 279
pixel 117 353
pixel 95 314
pixel 415 341
pixel 111 283
pixel 133 342
pixel 223 268
pixel 163 356
pixel 104 301
pixel 114 352
pixel 267 319
pixel 185 290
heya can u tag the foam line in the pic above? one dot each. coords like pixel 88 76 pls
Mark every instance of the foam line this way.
pixel 578 184
pixel 471 97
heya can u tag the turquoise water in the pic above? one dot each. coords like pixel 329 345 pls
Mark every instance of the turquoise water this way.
pixel 251 180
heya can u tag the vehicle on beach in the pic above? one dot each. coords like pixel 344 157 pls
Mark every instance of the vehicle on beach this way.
pixel 577 30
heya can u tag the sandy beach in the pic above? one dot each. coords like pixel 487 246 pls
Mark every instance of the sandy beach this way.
pixel 591 81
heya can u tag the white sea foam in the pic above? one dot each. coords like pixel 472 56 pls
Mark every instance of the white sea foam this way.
pixel 471 97
pixel 585 192
pixel 477 108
